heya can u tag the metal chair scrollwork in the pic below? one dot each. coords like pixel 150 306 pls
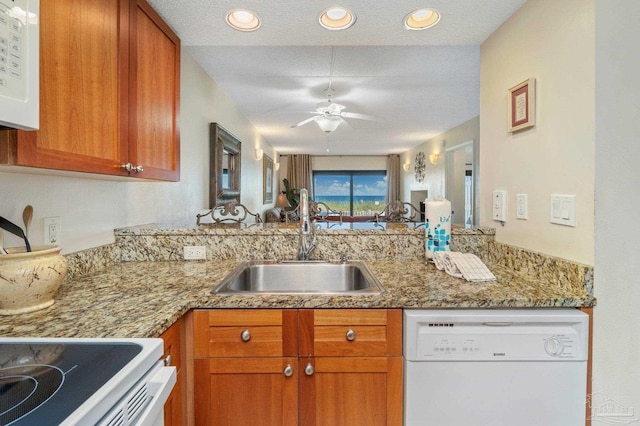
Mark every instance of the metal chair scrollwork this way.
pixel 229 213
pixel 398 212
pixel 318 211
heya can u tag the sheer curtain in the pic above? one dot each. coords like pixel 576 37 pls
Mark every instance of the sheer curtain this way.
pixel 393 178
pixel 299 171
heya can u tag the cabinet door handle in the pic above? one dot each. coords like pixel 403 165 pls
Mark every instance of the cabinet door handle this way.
pixel 245 335
pixel 131 168
pixel 351 335
pixel 308 370
pixel 288 371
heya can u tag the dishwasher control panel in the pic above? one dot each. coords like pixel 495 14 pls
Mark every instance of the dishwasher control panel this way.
pixel 483 347
pixel 496 335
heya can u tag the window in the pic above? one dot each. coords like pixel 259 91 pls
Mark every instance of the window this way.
pixel 357 193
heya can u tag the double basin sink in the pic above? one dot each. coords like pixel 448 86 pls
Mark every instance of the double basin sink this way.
pixel 351 278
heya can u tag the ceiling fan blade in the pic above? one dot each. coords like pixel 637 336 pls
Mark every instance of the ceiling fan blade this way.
pixel 359 116
pixel 303 122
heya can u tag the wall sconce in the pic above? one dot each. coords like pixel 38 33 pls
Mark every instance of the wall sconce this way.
pixel 276 166
pixel 406 166
pixel 259 153
pixel 433 158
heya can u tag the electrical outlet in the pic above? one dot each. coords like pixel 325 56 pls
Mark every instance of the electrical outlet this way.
pixel 194 252
pixel 52 230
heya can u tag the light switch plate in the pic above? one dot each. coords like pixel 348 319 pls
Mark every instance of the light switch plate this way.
pixel 522 206
pixel 499 204
pixel 563 210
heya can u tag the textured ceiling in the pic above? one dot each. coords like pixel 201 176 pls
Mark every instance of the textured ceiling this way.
pixel 416 83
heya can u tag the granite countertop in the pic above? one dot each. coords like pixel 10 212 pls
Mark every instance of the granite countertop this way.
pixel 142 299
pixel 293 228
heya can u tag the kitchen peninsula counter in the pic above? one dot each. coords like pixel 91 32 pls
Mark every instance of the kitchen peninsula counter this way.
pixel 142 299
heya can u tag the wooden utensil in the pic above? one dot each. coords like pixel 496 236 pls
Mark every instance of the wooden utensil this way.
pixel 27 215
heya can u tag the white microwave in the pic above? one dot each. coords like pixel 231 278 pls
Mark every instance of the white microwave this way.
pixel 19 63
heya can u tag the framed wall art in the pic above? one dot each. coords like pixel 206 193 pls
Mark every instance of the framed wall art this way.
pixel 267 180
pixel 419 166
pixel 522 105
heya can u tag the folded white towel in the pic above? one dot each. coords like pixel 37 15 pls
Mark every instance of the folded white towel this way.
pixel 463 265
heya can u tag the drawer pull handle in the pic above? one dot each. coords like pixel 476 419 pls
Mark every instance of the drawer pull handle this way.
pixel 167 360
pixel 245 335
pixel 351 335
pixel 308 370
pixel 288 371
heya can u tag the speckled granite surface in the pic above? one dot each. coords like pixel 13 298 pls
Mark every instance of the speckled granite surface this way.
pixel 142 299
pixel 137 287
pixel 366 241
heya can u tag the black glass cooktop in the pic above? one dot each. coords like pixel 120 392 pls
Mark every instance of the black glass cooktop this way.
pixel 43 383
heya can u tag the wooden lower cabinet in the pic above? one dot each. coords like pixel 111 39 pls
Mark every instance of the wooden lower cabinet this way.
pixel 311 372
pixel 174 414
pixel 173 410
pixel 351 391
pixel 246 391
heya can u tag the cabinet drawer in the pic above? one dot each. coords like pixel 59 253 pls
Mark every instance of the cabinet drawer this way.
pixel 245 333
pixel 351 332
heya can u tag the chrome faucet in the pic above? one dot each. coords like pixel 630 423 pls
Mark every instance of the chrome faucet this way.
pixel 307 239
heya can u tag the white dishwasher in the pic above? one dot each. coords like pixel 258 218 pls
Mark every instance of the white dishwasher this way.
pixel 524 367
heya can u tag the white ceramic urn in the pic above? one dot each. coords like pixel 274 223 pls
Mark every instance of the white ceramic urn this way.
pixel 29 280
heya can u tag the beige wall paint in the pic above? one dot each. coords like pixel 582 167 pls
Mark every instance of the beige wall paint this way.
pixel 553 42
pixel 434 181
pixel 91 206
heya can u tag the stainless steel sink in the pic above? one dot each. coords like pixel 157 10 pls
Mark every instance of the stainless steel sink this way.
pixel 300 277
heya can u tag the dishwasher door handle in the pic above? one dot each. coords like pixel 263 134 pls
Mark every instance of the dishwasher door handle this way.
pixel 497 324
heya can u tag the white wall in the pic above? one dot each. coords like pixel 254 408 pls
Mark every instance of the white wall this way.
pixel 337 162
pixel 434 181
pixel 91 206
pixel 553 42
pixel 346 162
pixel 616 371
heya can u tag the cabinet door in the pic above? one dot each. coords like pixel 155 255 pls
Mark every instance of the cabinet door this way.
pixel 154 95
pixel 83 89
pixel 173 412
pixel 246 391
pixel 353 391
pixel 173 407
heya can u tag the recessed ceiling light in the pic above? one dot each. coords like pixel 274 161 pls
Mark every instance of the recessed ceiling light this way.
pixel 243 20
pixel 337 18
pixel 421 19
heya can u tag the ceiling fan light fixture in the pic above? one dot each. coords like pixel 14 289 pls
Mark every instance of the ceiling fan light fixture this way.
pixel 337 18
pixel 243 20
pixel 328 124
pixel 421 19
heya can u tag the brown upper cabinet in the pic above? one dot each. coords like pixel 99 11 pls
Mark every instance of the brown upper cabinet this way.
pixel 109 92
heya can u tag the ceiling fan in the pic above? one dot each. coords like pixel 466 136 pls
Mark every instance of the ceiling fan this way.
pixel 329 115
